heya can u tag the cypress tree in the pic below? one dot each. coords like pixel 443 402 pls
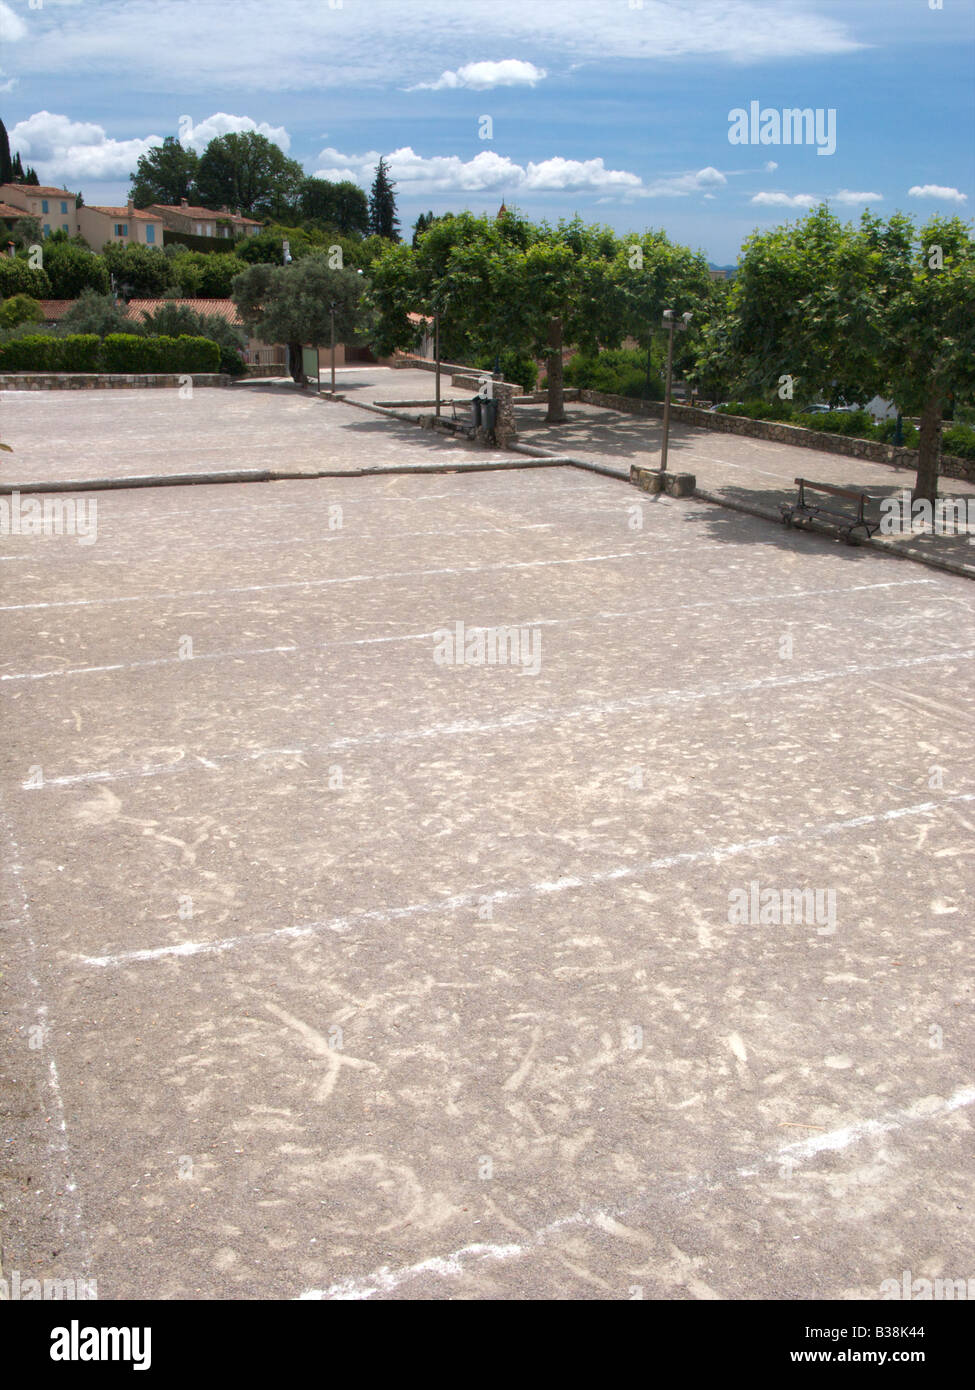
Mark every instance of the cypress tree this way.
pixel 6 163
pixel 382 206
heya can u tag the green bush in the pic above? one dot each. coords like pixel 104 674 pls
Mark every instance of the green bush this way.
pixel 20 308
pixel 17 277
pixel 960 441
pixel 43 353
pixel 616 372
pixel 125 352
pixel 32 353
pixel 97 313
pixel 72 269
pixel 516 367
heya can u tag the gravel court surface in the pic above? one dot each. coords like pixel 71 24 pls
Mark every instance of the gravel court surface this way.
pixel 67 436
pixel 490 882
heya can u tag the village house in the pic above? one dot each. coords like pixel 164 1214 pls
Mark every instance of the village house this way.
pixel 197 221
pixel 127 225
pixel 55 208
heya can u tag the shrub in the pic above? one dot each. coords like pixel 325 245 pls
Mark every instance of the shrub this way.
pixel 960 441
pixel 32 353
pixel 514 366
pixel 617 372
pixel 17 277
pixel 20 309
pixel 126 352
pixel 97 313
pixel 46 353
pixel 171 320
pixel 71 269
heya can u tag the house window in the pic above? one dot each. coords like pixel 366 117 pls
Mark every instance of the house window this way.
pixel 200 229
pixel 65 227
pixel 64 207
pixel 47 229
pixel 150 234
pixel 44 207
pixel 121 229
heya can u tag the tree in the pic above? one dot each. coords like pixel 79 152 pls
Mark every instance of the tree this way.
pixel 6 163
pixel 422 224
pixel 97 313
pixel 20 308
pixel 291 304
pixel 17 277
pixel 249 172
pixel 165 174
pixel 852 312
pixel 17 175
pixel 171 320
pixel 31 176
pixel 146 270
pixel 72 269
pixel 343 206
pixel 383 220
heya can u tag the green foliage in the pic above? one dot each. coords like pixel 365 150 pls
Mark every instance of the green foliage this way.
pixel 128 353
pixel 42 353
pixel 383 220
pixel 249 172
pixel 18 277
pixel 513 366
pixel 960 441
pixel 617 372
pixel 146 269
pixel 96 313
pixel 20 308
pixel 165 175
pixel 343 206
pixel 174 320
pixel 72 269
pixel 290 304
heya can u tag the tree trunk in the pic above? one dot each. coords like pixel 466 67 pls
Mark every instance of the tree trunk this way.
pixel 929 449
pixel 296 363
pixel 556 389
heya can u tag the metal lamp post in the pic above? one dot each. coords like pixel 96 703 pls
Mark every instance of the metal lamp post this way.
pixel 331 309
pixel 670 323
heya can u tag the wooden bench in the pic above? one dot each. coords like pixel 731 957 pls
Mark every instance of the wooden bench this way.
pixel 794 513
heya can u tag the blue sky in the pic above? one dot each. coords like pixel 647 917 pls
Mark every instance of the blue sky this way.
pixel 615 109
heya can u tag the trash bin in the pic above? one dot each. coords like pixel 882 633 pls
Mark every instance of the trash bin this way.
pixel 476 404
pixel 489 414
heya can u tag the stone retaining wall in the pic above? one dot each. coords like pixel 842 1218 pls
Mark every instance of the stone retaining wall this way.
pixel 94 381
pixel 778 433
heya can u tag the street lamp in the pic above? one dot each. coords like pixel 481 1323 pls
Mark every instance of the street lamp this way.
pixel 670 323
pixel 331 310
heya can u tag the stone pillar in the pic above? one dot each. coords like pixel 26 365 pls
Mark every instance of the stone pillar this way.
pixel 505 429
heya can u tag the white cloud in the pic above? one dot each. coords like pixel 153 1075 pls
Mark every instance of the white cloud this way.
pixel 845 195
pixel 680 185
pixel 510 72
pixel 486 172
pixel 785 200
pixel 199 136
pixel 302 45
pixel 771 167
pixel 934 190
pixel 12 27
pixel 62 149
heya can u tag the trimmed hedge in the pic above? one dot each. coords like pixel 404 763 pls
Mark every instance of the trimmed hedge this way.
pixel 39 353
pixel 125 352
pixel 120 352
